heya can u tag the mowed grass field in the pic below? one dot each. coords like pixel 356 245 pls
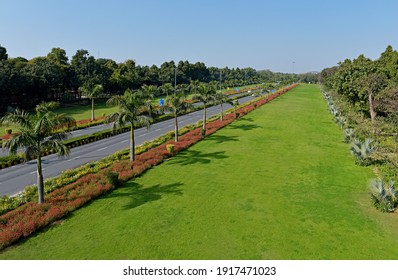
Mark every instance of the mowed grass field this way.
pixel 278 183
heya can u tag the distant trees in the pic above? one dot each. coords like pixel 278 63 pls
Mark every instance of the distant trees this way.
pixel 54 77
pixel 371 86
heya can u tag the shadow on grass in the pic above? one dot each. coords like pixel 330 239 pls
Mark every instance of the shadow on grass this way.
pixel 222 138
pixel 140 195
pixel 243 126
pixel 191 157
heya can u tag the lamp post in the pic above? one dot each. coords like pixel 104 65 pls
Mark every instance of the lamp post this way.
pixel 175 80
pixel 220 82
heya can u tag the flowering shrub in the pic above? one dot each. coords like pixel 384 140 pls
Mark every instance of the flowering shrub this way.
pixel 97 179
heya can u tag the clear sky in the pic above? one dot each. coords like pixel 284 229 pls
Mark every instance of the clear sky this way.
pixel 262 34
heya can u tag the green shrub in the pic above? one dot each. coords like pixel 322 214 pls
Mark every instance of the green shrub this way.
pixel 384 195
pixel 113 178
pixel 170 148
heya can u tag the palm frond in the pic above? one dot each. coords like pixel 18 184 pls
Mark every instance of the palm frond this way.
pixel 19 119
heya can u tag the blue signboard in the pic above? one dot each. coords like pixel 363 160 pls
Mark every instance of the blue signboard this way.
pixel 161 102
pixel 237 89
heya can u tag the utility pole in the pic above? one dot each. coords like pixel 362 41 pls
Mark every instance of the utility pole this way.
pixel 175 80
pixel 220 82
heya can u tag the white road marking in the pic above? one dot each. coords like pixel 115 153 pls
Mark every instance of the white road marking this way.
pixel 73 158
pixel 124 141
pixel 102 148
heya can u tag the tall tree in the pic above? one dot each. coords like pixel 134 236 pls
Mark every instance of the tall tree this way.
pixel 92 92
pixel 3 53
pixel 220 98
pixel 37 134
pixel 178 104
pixel 148 93
pixel 205 94
pixel 130 105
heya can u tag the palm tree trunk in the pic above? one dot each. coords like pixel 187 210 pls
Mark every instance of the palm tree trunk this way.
pixel 132 143
pixel 92 109
pixel 175 128
pixel 204 118
pixel 40 183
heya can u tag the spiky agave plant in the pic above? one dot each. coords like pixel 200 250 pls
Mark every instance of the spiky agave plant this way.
pixel 341 121
pixel 348 135
pixel 384 195
pixel 362 150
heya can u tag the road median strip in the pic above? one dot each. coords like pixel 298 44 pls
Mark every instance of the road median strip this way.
pixel 97 179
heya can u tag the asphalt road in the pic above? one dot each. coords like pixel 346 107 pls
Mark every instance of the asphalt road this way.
pixel 14 179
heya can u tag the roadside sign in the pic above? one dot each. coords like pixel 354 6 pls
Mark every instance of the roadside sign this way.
pixel 161 102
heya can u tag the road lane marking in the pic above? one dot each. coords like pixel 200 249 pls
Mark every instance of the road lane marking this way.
pixel 124 141
pixel 73 158
pixel 102 148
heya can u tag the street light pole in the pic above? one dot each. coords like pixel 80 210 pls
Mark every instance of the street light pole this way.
pixel 220 82
pixel 293 66
pixel 175 80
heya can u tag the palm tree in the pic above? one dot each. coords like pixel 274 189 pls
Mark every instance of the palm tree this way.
pixel 177 102
pixel 220 98
pixel 206 95
pixel 148 93
pixel 130 106
pixel 92 92
pixel 37 134
pixel 193 86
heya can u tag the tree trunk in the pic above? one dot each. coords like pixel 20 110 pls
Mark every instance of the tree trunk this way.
pixel 132 143
pixel 175 128
pixel 40 183
pixel 204 118
pixel 371 108
pixel 92 109
pixel 222 112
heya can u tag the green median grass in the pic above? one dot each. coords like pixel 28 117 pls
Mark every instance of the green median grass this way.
pixel 278 183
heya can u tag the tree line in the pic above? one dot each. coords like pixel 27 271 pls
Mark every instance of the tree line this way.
pixel 371 86
pixel 25 83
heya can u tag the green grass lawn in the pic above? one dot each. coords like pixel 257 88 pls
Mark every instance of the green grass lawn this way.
pixel 277 184
pixel 79 112
pixel 83 112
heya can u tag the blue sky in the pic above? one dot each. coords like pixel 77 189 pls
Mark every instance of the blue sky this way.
pixel 236 33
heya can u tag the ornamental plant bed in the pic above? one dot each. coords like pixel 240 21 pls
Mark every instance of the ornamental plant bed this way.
pixel 31 217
